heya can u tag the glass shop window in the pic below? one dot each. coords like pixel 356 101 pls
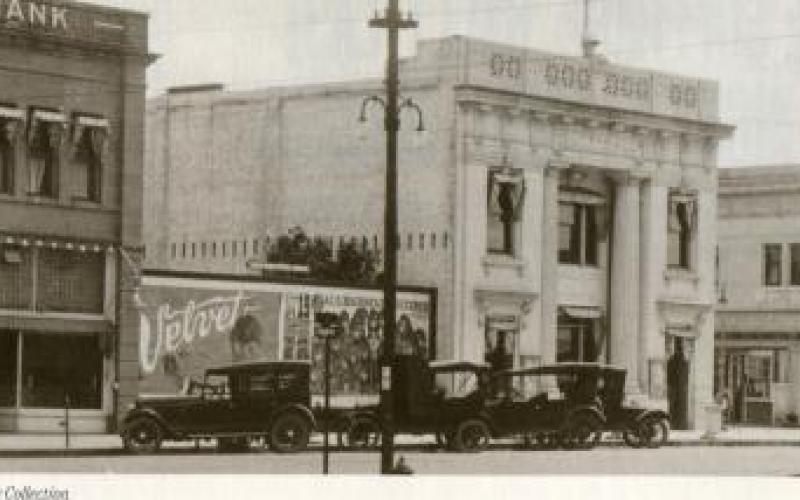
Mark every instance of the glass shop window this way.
pixel 8 369
pixel 70 281
pixel 55 366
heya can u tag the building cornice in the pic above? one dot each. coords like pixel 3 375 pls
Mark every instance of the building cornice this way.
pixel 562 112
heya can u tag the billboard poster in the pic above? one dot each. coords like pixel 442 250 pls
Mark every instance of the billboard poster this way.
pixel 191 323
pixel 184 330
pixel 355 352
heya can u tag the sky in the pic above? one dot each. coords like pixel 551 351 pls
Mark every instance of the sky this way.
pixel 752 47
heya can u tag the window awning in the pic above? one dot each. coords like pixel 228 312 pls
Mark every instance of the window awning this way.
pixel 582 312
pixel 683 331
pixel 581 197
pixel 91 121
pixel 12 113
pixel 48 116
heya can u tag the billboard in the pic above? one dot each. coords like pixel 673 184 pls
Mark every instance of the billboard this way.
pixel 190 322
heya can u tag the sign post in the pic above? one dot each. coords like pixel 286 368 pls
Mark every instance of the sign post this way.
pixel 327 328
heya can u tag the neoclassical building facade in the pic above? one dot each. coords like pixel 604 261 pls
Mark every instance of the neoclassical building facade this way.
pixel 563 207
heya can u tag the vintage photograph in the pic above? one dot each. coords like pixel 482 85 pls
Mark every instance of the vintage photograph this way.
pixel 453 238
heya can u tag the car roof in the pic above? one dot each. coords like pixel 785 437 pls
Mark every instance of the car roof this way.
pixel 565 368
pixel 451 365
pixel 256 366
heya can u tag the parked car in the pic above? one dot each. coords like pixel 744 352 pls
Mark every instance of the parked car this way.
pixel 446 399
pixel 235 404
pixel 552 406
pixel 640 426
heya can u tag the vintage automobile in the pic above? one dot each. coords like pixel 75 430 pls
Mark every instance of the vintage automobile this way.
pixel 640 426
pixel 552 406
pixel 446 399
pixel 238 404
pixel 588 403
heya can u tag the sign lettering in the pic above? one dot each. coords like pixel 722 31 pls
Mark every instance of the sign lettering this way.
pixel 35 14
pixel 175 328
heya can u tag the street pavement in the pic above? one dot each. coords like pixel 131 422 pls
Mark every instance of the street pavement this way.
pixel 605 461
pixel 82 444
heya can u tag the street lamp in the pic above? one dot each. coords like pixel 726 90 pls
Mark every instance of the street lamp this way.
pixel 392 22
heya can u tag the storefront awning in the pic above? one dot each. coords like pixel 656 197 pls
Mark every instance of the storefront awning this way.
pixel 55 243
pixel 582 312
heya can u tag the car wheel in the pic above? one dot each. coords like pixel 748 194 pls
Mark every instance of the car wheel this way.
pixel 363 433
pixel 289 433
pixel 633 436
pixel 143 435
pixel 582 431
pixel 471 435
pixel 657 432
pixel 547 440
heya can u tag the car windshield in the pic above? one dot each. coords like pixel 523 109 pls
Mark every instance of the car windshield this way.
pixel 216 387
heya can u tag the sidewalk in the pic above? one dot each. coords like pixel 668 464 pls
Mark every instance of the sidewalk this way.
pixel 21 445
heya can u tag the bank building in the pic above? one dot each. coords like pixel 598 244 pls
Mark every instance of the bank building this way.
pixel 71 153
pixel 563 207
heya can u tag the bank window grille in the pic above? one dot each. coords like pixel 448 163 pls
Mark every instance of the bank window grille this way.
pixel 70 281
pixel 16 277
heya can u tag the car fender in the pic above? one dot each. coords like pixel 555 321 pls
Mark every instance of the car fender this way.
pixel 657 414
pixel 297 408
pixel 146 413
pixel 587 409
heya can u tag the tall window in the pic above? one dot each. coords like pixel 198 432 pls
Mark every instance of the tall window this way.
pixel 772 264
pixel 503 210
pixel 576 340
pixel 89 142
pixel 10 120
pixel 6 165
pixel 44 138
pixel 681 221
pixel 577 235
pixel 794 253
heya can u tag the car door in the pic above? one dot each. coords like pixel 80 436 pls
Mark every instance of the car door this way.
pixel 254 397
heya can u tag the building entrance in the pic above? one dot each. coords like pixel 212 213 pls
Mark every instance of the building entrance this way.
pixel 678 385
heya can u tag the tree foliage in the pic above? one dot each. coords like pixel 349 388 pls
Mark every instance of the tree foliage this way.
pixel 354 262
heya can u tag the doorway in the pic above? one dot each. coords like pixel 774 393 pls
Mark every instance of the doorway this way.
pixel 678 384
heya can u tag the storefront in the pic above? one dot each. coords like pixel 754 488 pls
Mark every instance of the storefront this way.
pixel 754 376
pixel 56 338
pixel 71 152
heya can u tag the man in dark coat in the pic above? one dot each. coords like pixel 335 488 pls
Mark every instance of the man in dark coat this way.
pixel 677 385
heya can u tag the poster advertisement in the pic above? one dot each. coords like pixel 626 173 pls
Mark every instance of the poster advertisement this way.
pixel 189 324
pixel 356 350
pixel 184 330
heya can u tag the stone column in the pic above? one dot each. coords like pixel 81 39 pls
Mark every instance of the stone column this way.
pixel 549 254
pixel 652 264
pixel 624 300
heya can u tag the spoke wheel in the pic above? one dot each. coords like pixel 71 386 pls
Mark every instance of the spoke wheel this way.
pixel 289 433
pixel 657 432
pixel 472 435
pixel 363 433
pixel 583 431
pixel 143 435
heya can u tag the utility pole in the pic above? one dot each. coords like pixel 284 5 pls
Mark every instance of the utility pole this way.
pixel 392 21
pixel 589 39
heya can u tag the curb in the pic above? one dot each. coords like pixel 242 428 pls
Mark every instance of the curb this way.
pixel 420 448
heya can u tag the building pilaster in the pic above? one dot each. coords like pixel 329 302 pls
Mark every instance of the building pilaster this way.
pixel 550 261
pixel 652 265
pixel 624 300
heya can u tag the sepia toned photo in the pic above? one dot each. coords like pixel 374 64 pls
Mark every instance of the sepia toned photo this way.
pixel 448 238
